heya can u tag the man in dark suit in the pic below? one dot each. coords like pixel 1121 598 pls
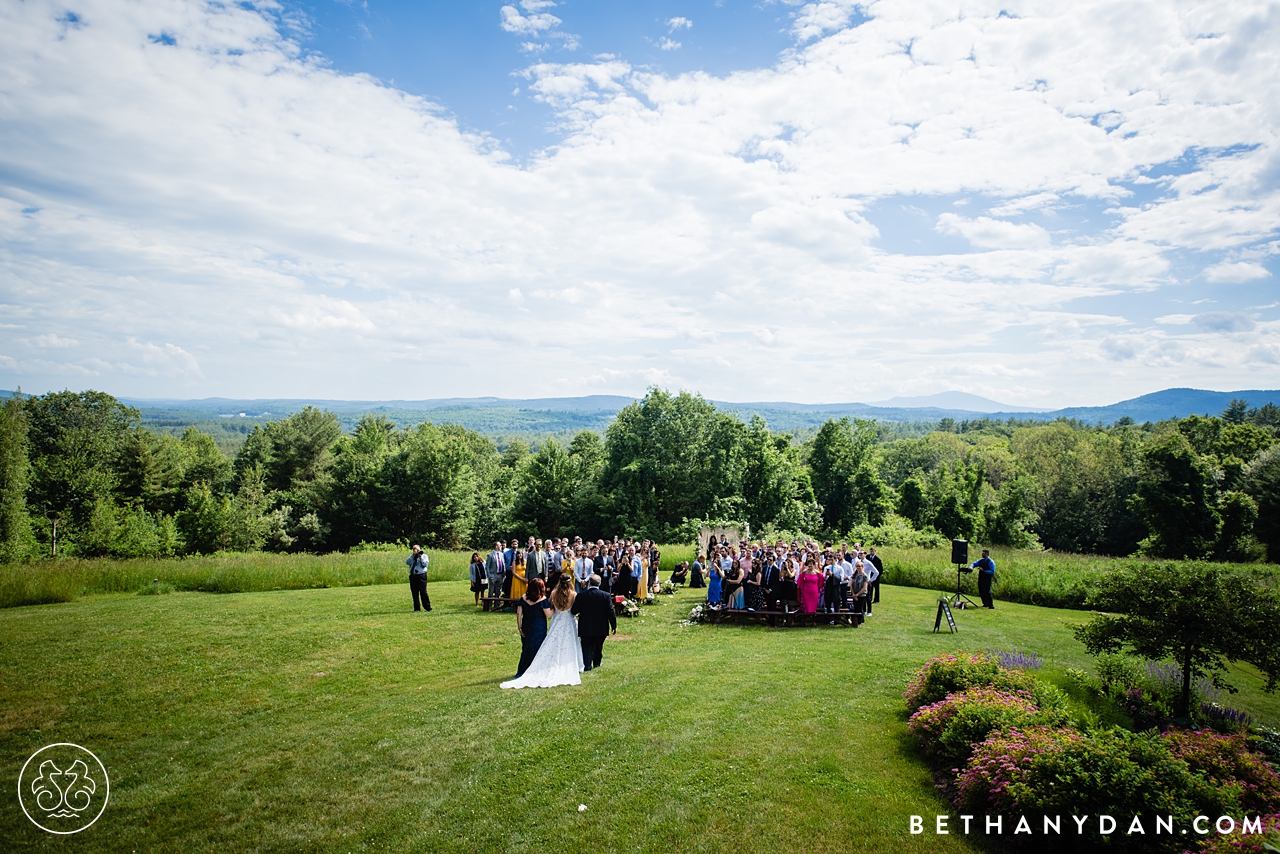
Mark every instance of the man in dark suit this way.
pixel 596 619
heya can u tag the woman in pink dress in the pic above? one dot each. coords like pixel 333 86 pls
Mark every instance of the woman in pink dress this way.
pixel 810 582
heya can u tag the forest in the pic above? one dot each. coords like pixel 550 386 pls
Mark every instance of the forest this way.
pixel 81 476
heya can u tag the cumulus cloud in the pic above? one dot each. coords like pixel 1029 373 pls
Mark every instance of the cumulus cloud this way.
pixel 1239 271
pixel 988 233
pixel 537 23
pixel 677 23
pixel 292 230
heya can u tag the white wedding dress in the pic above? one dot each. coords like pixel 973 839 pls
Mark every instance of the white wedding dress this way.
pixel 559 659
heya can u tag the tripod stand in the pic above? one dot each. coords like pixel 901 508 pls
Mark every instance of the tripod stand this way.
pixel 961 569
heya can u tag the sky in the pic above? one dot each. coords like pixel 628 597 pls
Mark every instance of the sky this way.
pixel 1045 204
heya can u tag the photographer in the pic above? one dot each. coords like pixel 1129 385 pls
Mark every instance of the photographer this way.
pixel 418 562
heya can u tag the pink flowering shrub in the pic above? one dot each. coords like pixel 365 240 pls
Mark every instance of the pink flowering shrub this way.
pixel 1004 760
pixel 1113 772
pixel 950 727
pixel 959 670
pixel 1227 761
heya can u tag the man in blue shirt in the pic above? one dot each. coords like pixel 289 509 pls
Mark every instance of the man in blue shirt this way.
pixel 986 574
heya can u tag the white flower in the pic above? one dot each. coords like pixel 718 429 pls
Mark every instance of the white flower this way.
pixel 582 807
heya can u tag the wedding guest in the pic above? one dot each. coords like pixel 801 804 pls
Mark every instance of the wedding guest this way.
pixel 476 572
pixel 831 587
pixel 788 591
pixel 532 612
pixel 858 590
pixel 715 583
pixel 697 579
pixel 494 568
pixel 733 580
pixel 770 576
pixel 810 587
pixel 519 581
pixel 680 575
pixel 583 568
pixel 755 592
pixel 873 582
pixel 879 565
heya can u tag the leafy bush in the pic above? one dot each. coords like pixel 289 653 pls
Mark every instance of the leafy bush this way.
pixel 947 674
pixel 1227 761
pixel 1266 842
pixel 949 728
pixel 1110 772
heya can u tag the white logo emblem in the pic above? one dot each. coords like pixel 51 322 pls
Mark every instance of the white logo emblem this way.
pixel 63 788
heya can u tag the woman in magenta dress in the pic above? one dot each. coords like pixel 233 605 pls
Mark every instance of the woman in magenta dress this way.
pixel 810 582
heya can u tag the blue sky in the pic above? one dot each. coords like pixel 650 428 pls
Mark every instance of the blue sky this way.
pixel 1043 204
pixel 458 55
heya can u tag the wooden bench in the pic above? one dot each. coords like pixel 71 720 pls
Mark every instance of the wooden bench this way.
pixel 497 603
pixel 783 618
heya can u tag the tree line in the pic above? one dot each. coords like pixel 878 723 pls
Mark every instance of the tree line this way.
pixel 80 467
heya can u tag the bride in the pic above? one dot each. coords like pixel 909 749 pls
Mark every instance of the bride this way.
pixel 559 659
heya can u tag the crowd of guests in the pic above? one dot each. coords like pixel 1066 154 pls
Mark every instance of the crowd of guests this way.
pixel 805 577
pixel 626 567
pixel 791 577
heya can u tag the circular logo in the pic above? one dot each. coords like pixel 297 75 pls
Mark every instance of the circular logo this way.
pixel 63 788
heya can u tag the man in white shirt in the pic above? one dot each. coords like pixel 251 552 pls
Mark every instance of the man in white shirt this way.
pixel 583 568
pixel 873 574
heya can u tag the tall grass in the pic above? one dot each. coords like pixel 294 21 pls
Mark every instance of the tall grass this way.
pixel 1052 579
pixel 64 580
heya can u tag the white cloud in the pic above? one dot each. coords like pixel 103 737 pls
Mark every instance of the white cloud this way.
pixel 532 24
pixel 677 23
pixel 1239 271
pixel 987 233
pixel 667 44
pixel 296 231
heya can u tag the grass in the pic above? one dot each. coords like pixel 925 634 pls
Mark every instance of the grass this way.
pixel 1054 579
pixel 339 720
pixel 65 580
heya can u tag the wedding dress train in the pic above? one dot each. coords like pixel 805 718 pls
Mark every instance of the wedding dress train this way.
pixel 559 659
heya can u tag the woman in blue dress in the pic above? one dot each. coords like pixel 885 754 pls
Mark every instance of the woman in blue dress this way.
pixel 715 578
pixel 532 612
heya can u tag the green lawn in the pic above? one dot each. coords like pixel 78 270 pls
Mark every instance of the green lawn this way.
pixel 339 720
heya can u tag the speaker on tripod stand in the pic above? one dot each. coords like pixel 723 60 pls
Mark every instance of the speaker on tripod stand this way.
pixel 960 557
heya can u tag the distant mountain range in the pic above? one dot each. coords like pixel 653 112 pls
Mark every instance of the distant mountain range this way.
pixel 566 415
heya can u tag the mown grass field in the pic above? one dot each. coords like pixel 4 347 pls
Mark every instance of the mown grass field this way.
pixel 339 720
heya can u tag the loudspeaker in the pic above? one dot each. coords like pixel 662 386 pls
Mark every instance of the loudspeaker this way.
pixel 959 551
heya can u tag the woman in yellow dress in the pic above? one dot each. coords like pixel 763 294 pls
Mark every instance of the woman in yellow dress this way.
pixel 643 593
pixel 519 584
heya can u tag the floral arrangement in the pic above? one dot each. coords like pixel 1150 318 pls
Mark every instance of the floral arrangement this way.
pixel 667 587
pixel 630 608
pixel 697 615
